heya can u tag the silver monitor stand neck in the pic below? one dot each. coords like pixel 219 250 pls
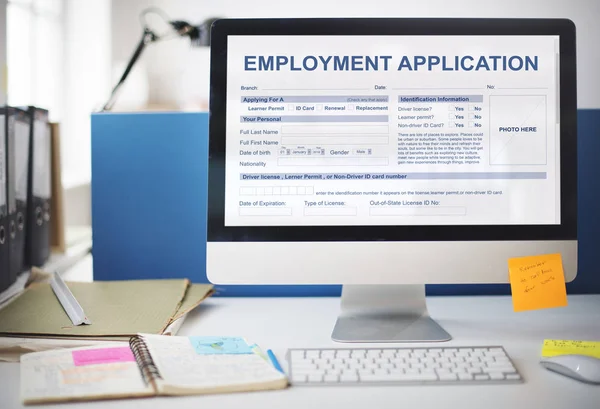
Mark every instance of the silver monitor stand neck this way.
pixel 386 313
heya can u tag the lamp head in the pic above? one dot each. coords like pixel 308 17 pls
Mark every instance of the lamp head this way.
pixel 199 35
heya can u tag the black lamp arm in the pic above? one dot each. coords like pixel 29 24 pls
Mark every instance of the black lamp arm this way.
pixel 147 37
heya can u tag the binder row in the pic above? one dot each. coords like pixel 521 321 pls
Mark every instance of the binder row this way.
pixel 25 190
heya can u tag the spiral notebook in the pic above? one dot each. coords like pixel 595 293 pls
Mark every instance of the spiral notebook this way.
pixel 149 365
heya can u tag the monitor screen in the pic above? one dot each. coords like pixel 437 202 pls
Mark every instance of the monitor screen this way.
pixel 392 130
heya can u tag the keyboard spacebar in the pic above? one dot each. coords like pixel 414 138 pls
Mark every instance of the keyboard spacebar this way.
pixel 398 377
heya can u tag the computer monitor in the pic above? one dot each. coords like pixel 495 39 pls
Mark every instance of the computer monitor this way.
pixel 386 154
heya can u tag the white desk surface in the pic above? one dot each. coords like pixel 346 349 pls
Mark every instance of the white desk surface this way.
pixel 281 323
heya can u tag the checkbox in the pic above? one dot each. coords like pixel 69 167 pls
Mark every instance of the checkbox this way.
pixel 450 124
pixel 319 107
pixel 451 116
pixel 471 124
pixel 350 107
pixel 290 107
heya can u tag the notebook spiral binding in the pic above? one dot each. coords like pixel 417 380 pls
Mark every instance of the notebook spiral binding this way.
pixel 144 359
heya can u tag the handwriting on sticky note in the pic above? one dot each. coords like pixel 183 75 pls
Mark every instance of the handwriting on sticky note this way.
pixel 553 347
pixel 537 282
pixel 98 356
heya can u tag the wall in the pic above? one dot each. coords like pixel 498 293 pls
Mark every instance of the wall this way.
pixel 3 83
pixel 87 70
pixel 178 74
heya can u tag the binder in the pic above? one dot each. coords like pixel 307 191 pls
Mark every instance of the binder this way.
pixel 17 143
pixel 5 281
pixel 37 242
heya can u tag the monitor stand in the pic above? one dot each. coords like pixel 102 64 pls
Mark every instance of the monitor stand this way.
pixel 386 313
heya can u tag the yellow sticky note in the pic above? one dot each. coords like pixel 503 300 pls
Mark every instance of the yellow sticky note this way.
pixel 553 347
pixel 537 282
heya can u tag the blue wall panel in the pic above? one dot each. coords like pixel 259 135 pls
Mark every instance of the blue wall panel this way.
pixel 149 195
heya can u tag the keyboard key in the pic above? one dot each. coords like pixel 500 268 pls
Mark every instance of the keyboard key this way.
pixel 448 377
pixel 418 377
pixel 482 377
pixel 374 378
pixel 496 375
pixel 502 359
pixel 315 377
pixel 499 369
pixel 499 365
pixel 304 368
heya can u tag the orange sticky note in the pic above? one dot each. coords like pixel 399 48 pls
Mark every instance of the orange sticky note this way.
pixel 537 282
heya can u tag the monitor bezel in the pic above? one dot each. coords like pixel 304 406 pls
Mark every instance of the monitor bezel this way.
pixel 221 29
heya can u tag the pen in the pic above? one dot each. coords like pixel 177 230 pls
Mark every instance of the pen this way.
pixel 274 361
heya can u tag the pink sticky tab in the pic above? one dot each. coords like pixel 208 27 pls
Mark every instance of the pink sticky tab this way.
pixel 102 356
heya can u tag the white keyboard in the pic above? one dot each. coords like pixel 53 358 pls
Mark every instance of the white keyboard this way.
pixel 458 365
